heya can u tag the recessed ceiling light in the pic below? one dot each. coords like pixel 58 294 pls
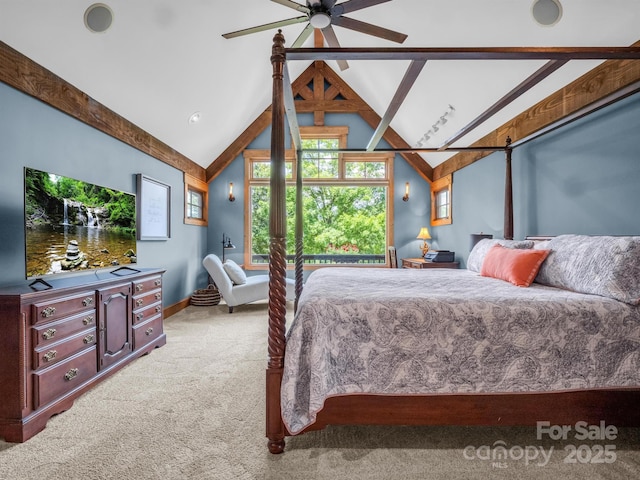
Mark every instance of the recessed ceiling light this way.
pixel 546 12
pixel 98 18
pixel 195 118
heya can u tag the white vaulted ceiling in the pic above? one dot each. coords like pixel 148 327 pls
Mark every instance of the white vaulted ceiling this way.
pixel 161 60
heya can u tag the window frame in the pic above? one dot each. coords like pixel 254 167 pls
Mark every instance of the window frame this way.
pixel 261 155
pixel 439 186
pixel 193 184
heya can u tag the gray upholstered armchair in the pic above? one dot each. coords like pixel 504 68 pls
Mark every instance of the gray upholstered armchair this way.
pixel 235 287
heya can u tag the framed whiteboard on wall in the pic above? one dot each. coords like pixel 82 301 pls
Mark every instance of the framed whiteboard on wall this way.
pixel 153 209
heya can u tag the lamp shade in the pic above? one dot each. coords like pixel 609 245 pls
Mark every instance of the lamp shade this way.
pixel 424 234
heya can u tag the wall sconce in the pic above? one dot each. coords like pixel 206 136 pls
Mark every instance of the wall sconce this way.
pixel 406 192
pixel 231 197
pixel 424 236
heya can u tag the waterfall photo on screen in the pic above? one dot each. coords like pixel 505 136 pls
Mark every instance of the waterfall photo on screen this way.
pixel 71 225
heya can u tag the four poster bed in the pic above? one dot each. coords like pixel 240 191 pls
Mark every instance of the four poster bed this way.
pixel 451 347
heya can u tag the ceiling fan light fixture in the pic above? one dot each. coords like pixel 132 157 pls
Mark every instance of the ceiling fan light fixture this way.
pixel 320 20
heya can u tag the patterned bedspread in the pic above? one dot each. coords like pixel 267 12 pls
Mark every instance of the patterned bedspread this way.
pixel 395 331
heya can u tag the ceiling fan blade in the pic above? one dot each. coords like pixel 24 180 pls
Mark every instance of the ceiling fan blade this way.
pixel 353 5
pixel 267 26
pixel 294 5
pixel 369 29
pixel 332 41
pixel 308 30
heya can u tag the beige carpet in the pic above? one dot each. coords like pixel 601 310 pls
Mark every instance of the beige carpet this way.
pixel 194 409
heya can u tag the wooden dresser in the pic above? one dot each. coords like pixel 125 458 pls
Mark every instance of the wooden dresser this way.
pixel 59 339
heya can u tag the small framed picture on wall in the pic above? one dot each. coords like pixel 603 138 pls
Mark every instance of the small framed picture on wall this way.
pixel 153 209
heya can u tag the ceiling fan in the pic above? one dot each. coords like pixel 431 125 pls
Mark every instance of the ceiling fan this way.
pixel 323 14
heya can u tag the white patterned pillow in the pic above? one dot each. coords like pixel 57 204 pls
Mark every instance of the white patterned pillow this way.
pixel 479 251
pixel 236 274
pixel 600 265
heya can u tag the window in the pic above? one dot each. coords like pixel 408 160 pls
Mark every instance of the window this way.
pixel 346 201
pixel 441 201
pixel 195 201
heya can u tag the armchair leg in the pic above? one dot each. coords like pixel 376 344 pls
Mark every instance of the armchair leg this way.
pixel 230 309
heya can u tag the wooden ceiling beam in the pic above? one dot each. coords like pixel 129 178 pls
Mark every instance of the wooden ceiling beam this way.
pixel 25 75
pixel 373 119
pixel 465 53
pixel 239 144
pixel 256 128
pixel 606 80
pixel 410 77
pixel 318 96
pixel 542 73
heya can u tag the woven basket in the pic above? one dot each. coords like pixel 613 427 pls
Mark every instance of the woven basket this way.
pixel 206 297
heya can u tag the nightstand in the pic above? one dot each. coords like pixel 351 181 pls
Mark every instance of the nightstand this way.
pixel 422 263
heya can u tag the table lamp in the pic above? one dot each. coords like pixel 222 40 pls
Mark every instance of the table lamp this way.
pixel 424 236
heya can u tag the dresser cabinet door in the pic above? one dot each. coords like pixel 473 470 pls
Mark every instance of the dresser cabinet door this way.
pixel 114 324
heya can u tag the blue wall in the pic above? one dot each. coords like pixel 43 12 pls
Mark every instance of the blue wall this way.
pixel 32 134
pixel 228 217
pixel 582 178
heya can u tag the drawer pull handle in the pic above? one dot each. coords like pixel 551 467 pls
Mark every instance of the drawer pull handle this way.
pixel 88 320
pixel 88 339
pixel 50 355
pixel 158 282
pixel 87 301
pixel 158 308
pixel 149 331
pixel 139 316
pixel 47 312
pixel 49 334
pixel 139 302
pixel 71 374
pixel 139 287
pixel 158 295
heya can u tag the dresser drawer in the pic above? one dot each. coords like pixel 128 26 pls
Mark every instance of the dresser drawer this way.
pixel 147 332
pixel 147 285
pixel 61 307
pixel 56 352
pixel 146 299
pixel 144 314
pixel 56 331
pixel 63 377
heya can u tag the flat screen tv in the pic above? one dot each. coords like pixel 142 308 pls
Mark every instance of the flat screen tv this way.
pixel 73 226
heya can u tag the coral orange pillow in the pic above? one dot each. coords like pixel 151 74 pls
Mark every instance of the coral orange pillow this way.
pixel 517 266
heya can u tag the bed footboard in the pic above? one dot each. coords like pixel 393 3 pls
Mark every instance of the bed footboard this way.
pixel 616 407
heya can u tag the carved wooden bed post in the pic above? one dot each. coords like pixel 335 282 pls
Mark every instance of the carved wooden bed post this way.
pixel 277 255
pixel 299 262
pixel 508 196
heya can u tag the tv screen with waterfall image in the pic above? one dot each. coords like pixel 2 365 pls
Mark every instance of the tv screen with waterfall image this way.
pixel 73 226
